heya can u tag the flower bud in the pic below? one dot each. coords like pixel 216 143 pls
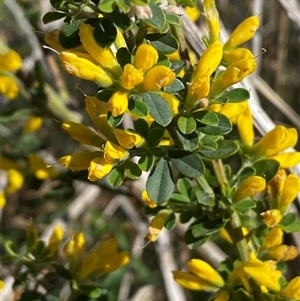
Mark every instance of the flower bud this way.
pixel 128 139
pixel 237 54
pixel 271 217
pixel 113 152
pixel 145 57
pixel 84 69
pixel 117 104
pixel 212 19
pixel 55 239
pixel 243 32
pixel 292 290
pixel 104 57
pixel 99 168
pixel 131 77
pixel 273 238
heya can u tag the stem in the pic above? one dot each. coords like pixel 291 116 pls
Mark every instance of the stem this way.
pixel 219 172
pixel 205 186
pixel 140 34
pixel 234 228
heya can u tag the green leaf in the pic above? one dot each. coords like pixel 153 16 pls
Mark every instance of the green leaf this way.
pixel 158 107
pixel 206 117
pixel 177 66
pixel 200 229
pixel 203 198
pixel 225 149
pixel 189 164
pixel 171 222
pixel 185 216
pixel 121 20
pixel 104 95
pixel 234 96
pixel 267 168
pixel 146 161
pixel 160 184
pixel 158 151
pixel 194 242
pixel 114 121
pixel 223 127
pixel 141 126
pixel 116 176
pixel 91 290
pixel 175 86
pixel 186 124
pixel 172 19
pixel 11 248
pixel 31 295
pixel 123 56
pixel 244 206
pixel 158 20
pixel 184 186
pixel 105 33
pixel 246 172
pixel 289 223
pixel 52 16
pixel 62 271
pixel 163 43
pixel 132 170
pixel 137 107
pixel 123 5
pixel 106 6
pixel 179 199
pixel 210 141
pixel 155 135
pixel 189 141
pixel 68 36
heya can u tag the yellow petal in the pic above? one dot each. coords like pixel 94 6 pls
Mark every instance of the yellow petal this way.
pixel 158 77
pixel 233 55
pixel 282 253
pixel 204 271
pixel 40 168
pixel 231 110
pixel 192 12
pixel 113 152
pixel 2 199
pixel 275 141
pixel 273 238
pixel 33 124
pixel 15 181
pixel 245 126
pixel 198 89
pixel 82 133
pixel 249 187
pixel 192 282
pixel 8 87
pixel 128 139
pixel 118 103
pixel 99 168
pixel 145 57
pixel 104 57
pixel 243 32
pixel 147 200
pixel 120 41
pixel 271 217
pixel 73 249
pixel 55 239
pixel 287 160
pixel 131 77
pixel 292 290
pixel 84 69
pixel 172 101
pixel 222 296
pixel 290 190
pixel 10 61
pixel 212 19
pixel 79 161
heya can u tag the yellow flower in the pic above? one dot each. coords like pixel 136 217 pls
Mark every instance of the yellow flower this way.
pixel 128 139
pixel 263 273
pixel 73 250
pixel 9 62
pixel 79 161
pixel 99 168
pixel 273 238
pixel 146 57
pixel 234 73
pixel 207 64
pixel 275 141
pixel 212 19
pixel 201 277
pixel 271 217
pixel 287 160
pixel 33 124
pixel 113 152
pixel 83 134
pixel 233 55
pixel 55 239
pixel 249 187
pixel 104 57
pixel 147 200
pixel 157 223
pixel 292 290
pixel 222 296
pixel 84 68
pixel 158 77
pixel 1 285
pixel 40 169
pixel 118 103
pixel 243 32
pixel 192 12
pixel 282 253
pixel 131 77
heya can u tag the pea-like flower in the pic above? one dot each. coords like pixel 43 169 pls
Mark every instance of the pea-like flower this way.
pixel 292 290
pixel 201 277
pixel 212 19
pixel 9 62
